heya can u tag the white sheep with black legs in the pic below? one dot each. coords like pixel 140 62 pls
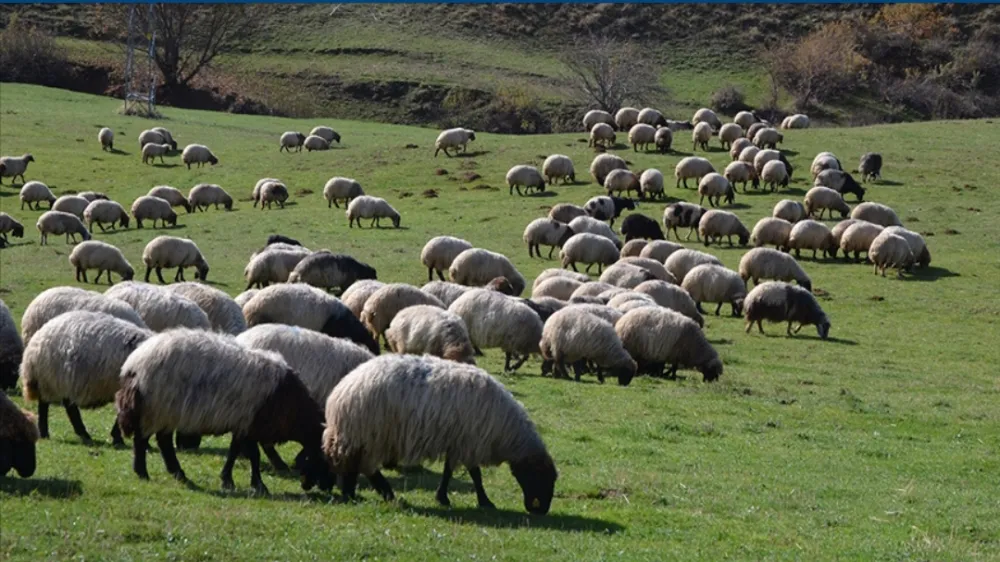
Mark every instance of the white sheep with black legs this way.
pixel 168 137
pixel 642 135
pixel 72 204
pixel 838 231
pixel 626 118
pixel 728 133
pixel 602 135
pixel 820 199
pixel 663 139
pixel 601 311
pixel 718 284
pixel 374 208
pixel 781 302
pixel 384 304
pixel 9 224
pixel 918 245
pixel 425 329
pixel 545 232
pixel 715 224
pixel 355 296
pixel 273 192
pixel 774 174
pixel 315 142
pixel 706 115
pixel 595 116
pixel 715 187
pixel 700 135
pixel 841 181
pixel 556 272
pixel 607 208
pixel 621 180
pixel 823 161
pixel 744 119
pixel 151 136
pixel 625 275
pixel 453 139
pixel 527 177
pixel 673 297
pixel 155 209
pixel 75 361
pixel 791 211
pixel 768 138
pixel 387 412
pixel 870 166
pixel 102 211
pixel 11 348
pixel 223 312
pixel 561 288
pixel 741 172
pixel 160 310
pixel 634 247
pixel 651 116
pixel 14 166
pixel 811 235
pixel 876 213
pixel 18 436
pixel 651 184
pixel 33 193
pixel 765 263
pixel 604 164
pixel 495 320
pixel 654 267
pixel 593 226
pixel 92 195
pixel 858 237
pixel 658 337
pixel 589 249
pixel 272 266
pixel 152 150
pixel 692 167
pixel 198 154
pixel 50 303
pixel 764 156
pixel 558 167
pixel 476 267
pixel 170 251
pixel 771 231
pixel 682 261
pixel 290 140
pixel 749 156
pixel 205 194
pixel 737 147
pixel 574 337
pixel 101 256
pixel 325 270
pixel 890 250
pixel 659 250
pixel 57 222
pixel 797 121
pixel 338 188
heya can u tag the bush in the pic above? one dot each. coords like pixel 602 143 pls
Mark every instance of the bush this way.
pixel 729 100
pixel 823 66
pixel 28 54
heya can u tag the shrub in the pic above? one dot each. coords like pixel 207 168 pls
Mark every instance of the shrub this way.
pixel 28 54
pixel 823 66
pixel 729 100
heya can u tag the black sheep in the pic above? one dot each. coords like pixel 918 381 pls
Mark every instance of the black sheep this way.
pixel 640 226
pixel 278 238
pixel 870 166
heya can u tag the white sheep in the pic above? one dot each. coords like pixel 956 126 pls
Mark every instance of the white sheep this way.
pixel 692 167
pixel 658 250
pixel 890 250
pixel 557 287
pixel 107 139
pixel 355 296
pixel 716 186
pixel 170 251
pixel 314 142
pixel 650 116
pixel 768 138
pixel 573 337
pixel 715 224
pixel 341 188
pixel 765 263
pixel 383 305
pixel 160 309
pixel 92 195
pixel 558 166
pixel 744 119
pixel 476 267
pixel 454 139
pixel 651 184
pixel 168 137
pixel 595 116
pixel 565 212
pixel 642 135
pixel 918 245
pixel 150 136
pixel 838 231
pixel 700 135
pixel 823 161
pixel 671 296
pixel 57 222
pixel 101 256
pixel 103 211
pixel 749 155
pixel 821 199
pixel 424 329
pixel 683 214
pixel 439 253
pixel 171 195
pixel 774 174
pixel 682 261
pixel 791 211
pixel 13 166
pixel 591 289
pixel 290 140
pixel 594 226
pixel 626 118
pixel 147 207
pixel 811 235
pixel 653 266
pixel 621 180
pixel 715 283
pixel 706 115
pixel 663 139
pixel 728 134
pixel 495 320
pixel 50 303
pixel 602 135
pixel 657 337
pixel 738 146
pixel 33 193
pixel 858 238
pixel 797 121
pixel 368 207
pixel 223 312
pixel 273 192
pixel 72 204
pixel 771 231
pixel 625 275
pixel 877 213
pixel 525 176
pixel 548 232
pixel 445 291
pixel 152 150
pixel 741 172
pixel 325 133
pixel 198 154
pixel 244 297
pixel 604 164
pixel 589 249
pixel 205 194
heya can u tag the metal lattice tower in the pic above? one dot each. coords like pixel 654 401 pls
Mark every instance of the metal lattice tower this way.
pixel 140 90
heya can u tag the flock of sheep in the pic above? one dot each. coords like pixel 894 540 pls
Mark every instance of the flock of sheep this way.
pixel 287 361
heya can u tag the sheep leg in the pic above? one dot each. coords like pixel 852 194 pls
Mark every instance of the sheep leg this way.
pixel 746 329
pixel 159 275
pixel 789 329
pixel 372 224
pixel 227 469
pixel 79 273
pixel 164 439
pixel 442 491
pixel 760 327
pixel 140 444
pixel 180 274
pixel 43 419
pixel 381 485
pixel 477 480
pixel 98 278
pixel 718 309
pixel 476 351
pixel 531 250
pixel 587 270
pixel 116 436
pixel 799 327
pixel 440 275
pixel 697 305
pixel 73 412
pixel 251 451
pixel 274 458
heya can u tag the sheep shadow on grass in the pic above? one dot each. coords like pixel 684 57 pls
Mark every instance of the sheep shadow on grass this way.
pixel 119 152
pixel 736 206
pixel 48 487
pixel 162 165
pixel 930 273
pixel 889 183
pixel 472 154
pixel 403 479
pixel 547 193
pixel 510 519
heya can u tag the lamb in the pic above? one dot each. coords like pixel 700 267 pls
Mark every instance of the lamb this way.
pixel 781 302
pixel 633 247
pixel 590 249
pixel 811 235
pixel 658 250
pixel 651 184
pixel 768 138
pixel 198 154
pixel 297 304
pixel 558 287
pixel 525 176
pixel 57 222
pixel 715 283
pixel 368 207
pixel 558 167
pixel 607 208
pixel 224 314
pixel 75 360
pixel 33 193
pixel 383 305
pixel 50 303
pixel 744 119
pixel 654 267
pixel 643 135
pixel 625 275
pixel 706 115
pixel 439 253
pixel 890 250
pixel 683 214
pixel 765 263
pixel 13 166
pixel 171 195
pixel 637 226
pixel 858 238
pixel 103 257
pixel 574 336
pixel 425 329
pixel 315 142
pixel 341 188
pixel 797 121
pixel 650 116
pixel 594 226
pixel 10 224
pixel 544 231
pixel 18 435
pixel 656 337
pixel 626 118
pixel 107 139
pixel 715 224
pixel 355 296
pixel 565 212
pixel 876 213
pixel 453 138
pixel 663 138
pixel 917 244
pixel 290 140
pixel 273 265
pixel 821 199
pixel 682 261
pixel 791 211
pixel 103 212
pixel 870 166
pixel 604 164
pixel 385 411
pixel 495 320
pixel 326 270
pixel 728 134
pixel 774 174
pixel 205 194
pixel 595 116
pixel 671 296
pixel 325 133
pixel 716 185
pixel 71 204
pixel 700 135
pixel 208 384
pixel 160 309
pixel 840 181
pixel 692 167
pixel 741 172
pixel 602 135
pixel 170 251
pixel 11 349
pixel 476 267
pixel 771 230
pixel 152 150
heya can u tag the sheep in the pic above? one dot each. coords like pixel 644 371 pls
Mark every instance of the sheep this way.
pixel 453 138
pixel 556 272
pixel 671 296
pixel 57 222
pixel 682 261
pixel 588 249
pixel 244 297
pixel 765 263
pixel 290 140
pixel 870 166
pixel 838 231
pixel 890 250
pixel 774 174
pixel 591 289
pixel 558 287
pixel 596 116
pixel 918 246
pixel 797 121
pixel 654 267
pixel 762 157
pixel 50 303
pixel 75 360
pixel 272 266
pixel 314 142
pixel 103 212
pixel 152 150
pixel 168 137
pixel 170 251
pixel 594 226
pixel 715 224
pixel 716 185
pixel 160 309
pixel 625 275
pixel 626 118
pixel 749 156
pixel 476 267
pixel 558 166
pixel 650 116
pixel 738 146
pixel 609 294
pixel 683 214
pixel 715 283
pixel 658 250
pixel 92 196
pixel 565 212
pixel 445 291
pixel 600 310
pixel 383 305
pixel 640 226
pixel 495 320
pixel 325 133
pixel 198 154
pixel 439 253
pixel 355 296
pixel 789 210
pixel 341 188
pixel 771 230
pixel 656 337
pixel 858 238
pixel 281 239
pixel 633 247
pixel 18 435
pixel 326 270
pixel 876 213
pixel 425 329
pixel 544 231
pixel 755 128
pixel 728 133
pixel 768 138
pixel 151 136
pixel 171 195
pixel 368 207
pixel 692 167
pixel 823 161
pixel 573 336
pixel 223 313
pixel 604 164
pixel 821 199
pixel 13 166
pixel 744 119
pixel 33 193
pixel 205 194
pixel 781 302
pixel 386 412
pixel 811 235
pixel 633 304
pixel 840 181
pixel 740 172
pixel 11 348
pixel 71 204
pixel 602 135
pixel 107 139
pixel 643 135
pixel 607 208
pixel 700 135
pixel 706 115
pixel 273 192
pixel 103 257
pixel 663 138
pixel 203 383
pixel 525 176
pixel 10 224
pixel 297 304
pixel 651 184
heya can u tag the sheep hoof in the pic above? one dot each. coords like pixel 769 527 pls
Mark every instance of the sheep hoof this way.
pixel 228 485
pixel 259 489
pixel 443 500
pixel 487 504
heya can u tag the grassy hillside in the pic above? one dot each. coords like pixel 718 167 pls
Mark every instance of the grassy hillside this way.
pixel 880 443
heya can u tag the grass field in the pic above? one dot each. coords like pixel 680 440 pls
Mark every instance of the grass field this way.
pixel 879 444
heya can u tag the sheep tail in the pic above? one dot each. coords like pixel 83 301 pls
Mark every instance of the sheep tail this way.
pixel 30 391
pixel 128 401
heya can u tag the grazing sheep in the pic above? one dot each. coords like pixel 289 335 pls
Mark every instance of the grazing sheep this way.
pixel 50 303
pixel 918 246
pixel 651 184
pixel 791 211
pixel 594 226
pixel 737 147
pixel 602 135
pixel 749 156
pixel 754 128
pixel 768 138
pixel 774 174
pixel 18 435
pixel 325 133
pixel 326 270
pixel 656 337
pixel 454 139
pixel 876 213
pixel 565 212
pixel 208 384
pixel 198 154
pixel 642 135
pixel 11 348
pixel 741 172
pixel 368 207
pixel 273 192
pixel 107 139
pixel 13 166
pixel 700 135
pixel 744 119
pixel 476 267
pixel 544 231
pixel 823 161
pixel 841 181
pixel 75 360
pixel 762 158
pixel 715 224
pixel 765 263
pixel 281 239
pixel 728 133
pixel 33 193
pixel 167 136
pixel 386 412
pixel 692 167
pixel 439 253
pixel 205 194
pixel 671 296
pixel 152 150
pixel 445 291
pixel 170 251
pixel 858 238
pixel 890 250
pixel 160 309
pixel 633 247
pixel 103 257
pixel 717 186
pixel 781 302
pixel 244 297
pixel 152 136
pixel 171 195
pixel 527 177
pixel 640 226
pixel 383 305
pixel 604 164
pixel 650 116
pixel 625 275
pixel 290 140
pixel 811 235
pixel 10 224
pixel 654 267
pixel 255 195
pixel 715 283
pixel 355 296
pixel 556 272
pixel 706 115
pixel 574 336
pixel 838 231
pixel 658 250
pixel 682 261
pixel 223 312
pixel 57 222
pixel 663 139
pixel 633 304
pixel 683 214
pixel 600 310
pixel 92 196
pixel 273 265
pixel 821 199
pixel 495 320
pixel 103 211
pixel 595 116
pixel 797 121
pixel 558 287
pixel 870 166
pixel 771 230
pixel 558 166
pixel 341 188
pixel 591 290
pixel 71 204
pixel 425 329
pixel 297 304
pixel 314 142
pixel 626 118
pixel 607 208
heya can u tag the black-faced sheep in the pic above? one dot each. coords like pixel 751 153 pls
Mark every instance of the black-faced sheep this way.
pixel 497 321
pixel 544 231
pixel 476 267
pixel 765 263
pixel 425 329
pixel 870 166
pixel 326 270
pixel 781 302
pixel 640 226
pixel 18 435
pixel 657 337
pixel 11 348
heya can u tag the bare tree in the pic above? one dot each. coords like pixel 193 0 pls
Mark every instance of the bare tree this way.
pixel 609 72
